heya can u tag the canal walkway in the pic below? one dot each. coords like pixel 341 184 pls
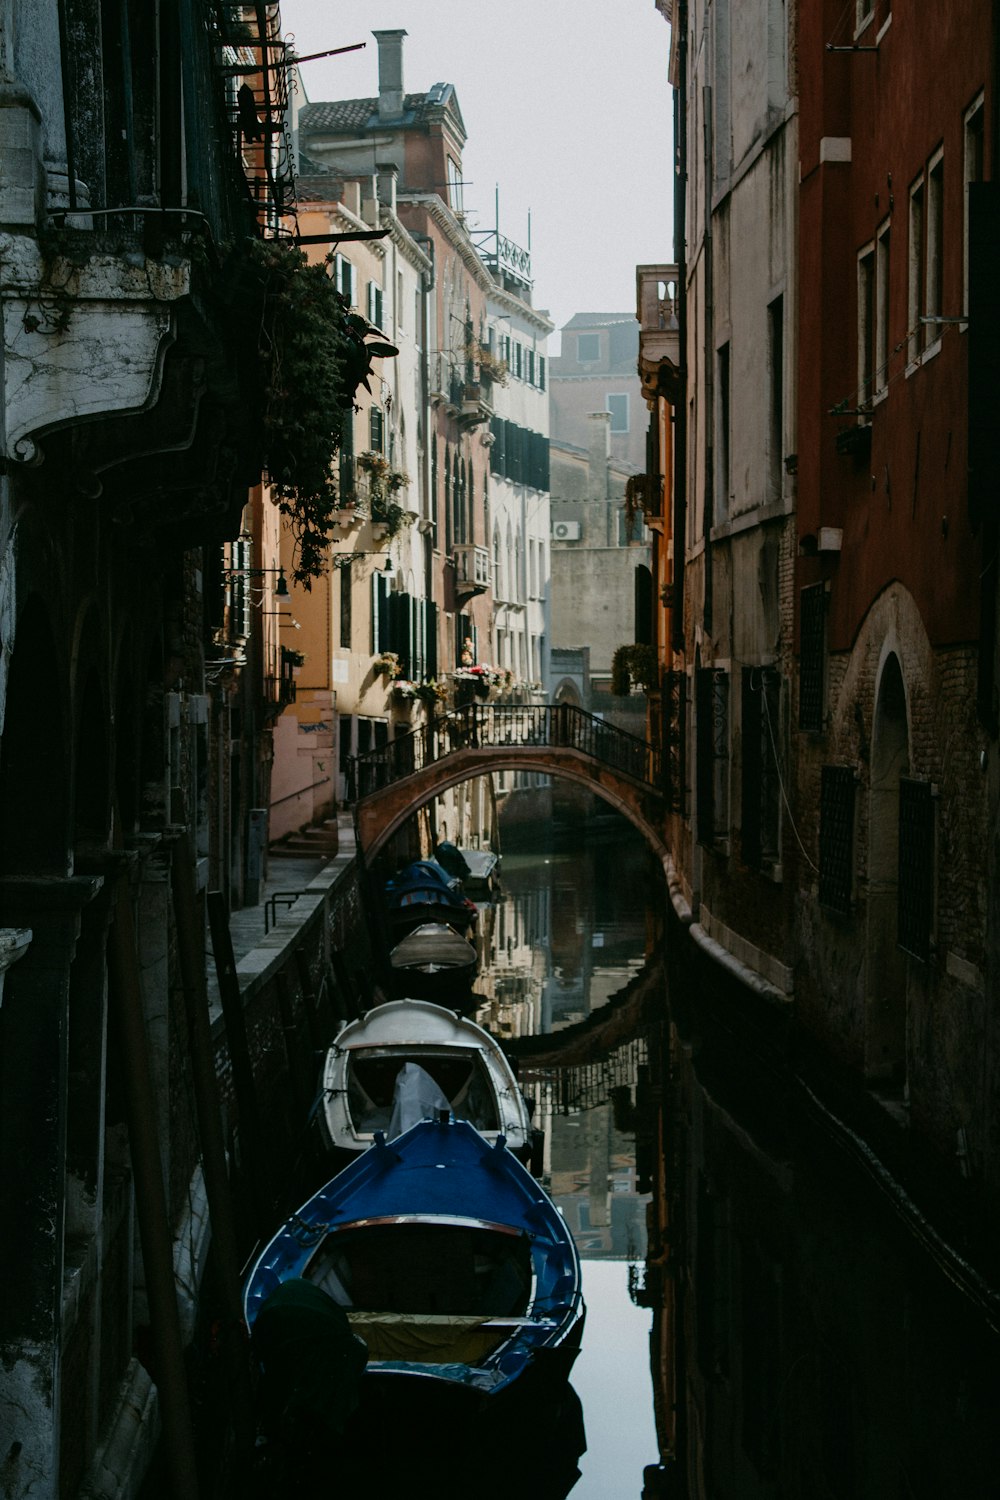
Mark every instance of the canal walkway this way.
pixel 290 894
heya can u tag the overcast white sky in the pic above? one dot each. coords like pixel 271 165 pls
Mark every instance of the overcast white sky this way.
pixel 567 108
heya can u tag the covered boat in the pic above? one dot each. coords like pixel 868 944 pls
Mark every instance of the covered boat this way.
pixel 483 879
pixel 434 962
pixel 451 1262
pixel 423 891
pixel 408 1060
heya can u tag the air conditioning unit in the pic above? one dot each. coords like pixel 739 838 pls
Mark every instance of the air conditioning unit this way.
pixel 565 531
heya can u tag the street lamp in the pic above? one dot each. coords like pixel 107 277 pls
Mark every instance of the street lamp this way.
pixel 344 560
pixel 280 588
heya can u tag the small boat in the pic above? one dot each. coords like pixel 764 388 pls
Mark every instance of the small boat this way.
pixel 423 891
pixel 483 879
pixel 451 1262
pixel 433 962
pixel 408 1060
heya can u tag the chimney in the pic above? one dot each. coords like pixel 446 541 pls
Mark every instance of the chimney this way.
pixel 390 73
pixel 598 453
pixel 387 172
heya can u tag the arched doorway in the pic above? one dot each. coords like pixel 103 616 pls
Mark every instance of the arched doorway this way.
pixel 886 1009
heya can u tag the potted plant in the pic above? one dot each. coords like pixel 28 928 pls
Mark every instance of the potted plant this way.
pixel 387 663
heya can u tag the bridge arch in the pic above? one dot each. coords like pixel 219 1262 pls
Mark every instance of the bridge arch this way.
pixel 382 813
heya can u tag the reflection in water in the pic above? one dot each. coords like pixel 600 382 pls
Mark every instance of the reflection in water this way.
pixel 563 987
pixel 804 1343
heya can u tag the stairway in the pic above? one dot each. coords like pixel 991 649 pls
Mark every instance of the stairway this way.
pixel 318 839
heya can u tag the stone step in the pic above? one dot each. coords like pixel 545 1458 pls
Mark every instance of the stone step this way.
pixel 318 839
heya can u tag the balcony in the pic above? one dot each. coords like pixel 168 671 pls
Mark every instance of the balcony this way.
pixel 644 492
pixel 472 572
pixel 656 289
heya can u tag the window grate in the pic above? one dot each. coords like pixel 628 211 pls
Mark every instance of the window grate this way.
pixel 812 658
pixel 915 914
pixel 712 751
pixel 674 733
pixel 836 838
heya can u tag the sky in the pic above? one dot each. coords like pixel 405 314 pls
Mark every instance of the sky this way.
pixel 568 111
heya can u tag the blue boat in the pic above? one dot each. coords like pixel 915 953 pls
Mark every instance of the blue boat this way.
pixel 452 1264
pixel 423 891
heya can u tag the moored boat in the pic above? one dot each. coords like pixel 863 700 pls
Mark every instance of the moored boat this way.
pixel 423 891
pixel 434 962
pixel 451 1262
pixel 408 1060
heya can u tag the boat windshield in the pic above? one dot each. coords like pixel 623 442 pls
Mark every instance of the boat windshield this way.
pixel 456 1079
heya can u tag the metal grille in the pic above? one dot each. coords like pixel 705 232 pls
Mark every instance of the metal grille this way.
pixel 674 732
pixel 812 657
pixel 836 837
pixel 712 750
pixel 915 915
pixel 479 725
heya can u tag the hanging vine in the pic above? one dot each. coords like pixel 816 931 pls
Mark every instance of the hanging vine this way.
pixel 313 354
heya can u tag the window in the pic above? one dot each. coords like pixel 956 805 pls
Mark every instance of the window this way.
pixel 935 250
pixel 531 366
pixel 400 302
pixel 722 471
pixel 375 304
pixel 880 374
pixel 376 423
pixel 974 162
pixel 541 372
pixel 712 753
pixel 776 362
pixel 346 456
pixel 916 277
pixel 456 201
pixel 915 910
pixel 345 279
pixel 674 702
pixel 588 347
pixel 866 326
pixel 346 597
pixel 812 647
pixel 618 407
pixel 838 785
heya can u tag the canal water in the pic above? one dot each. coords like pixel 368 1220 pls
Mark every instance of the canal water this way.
pixel 567 959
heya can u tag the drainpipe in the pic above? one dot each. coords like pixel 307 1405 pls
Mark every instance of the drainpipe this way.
pixel 708 377
pixel 680 258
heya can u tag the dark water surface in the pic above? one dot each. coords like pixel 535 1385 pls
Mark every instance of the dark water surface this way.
pixel 767 1319
pixel 568 941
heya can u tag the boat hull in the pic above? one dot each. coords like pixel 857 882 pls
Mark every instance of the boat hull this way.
pixel 448 1255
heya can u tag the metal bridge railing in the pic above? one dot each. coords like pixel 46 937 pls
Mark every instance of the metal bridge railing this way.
pixel 499 725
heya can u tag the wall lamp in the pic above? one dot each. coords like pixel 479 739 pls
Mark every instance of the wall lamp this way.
pixel 344 560
pixel 280 588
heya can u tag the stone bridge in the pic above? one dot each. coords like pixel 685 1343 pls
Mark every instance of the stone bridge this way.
pixel 396 779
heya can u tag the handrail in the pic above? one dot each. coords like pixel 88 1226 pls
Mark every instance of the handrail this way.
pixel 501 726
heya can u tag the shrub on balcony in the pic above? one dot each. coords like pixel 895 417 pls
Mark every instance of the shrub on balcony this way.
pixel 384 482
pixel 634 664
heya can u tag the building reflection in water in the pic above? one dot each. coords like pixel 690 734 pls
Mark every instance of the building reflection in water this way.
pixel 804 1344
pixel 563 988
